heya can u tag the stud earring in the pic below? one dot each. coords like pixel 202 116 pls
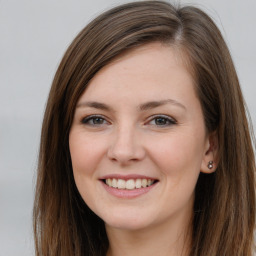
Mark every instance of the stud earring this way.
pixel 210 164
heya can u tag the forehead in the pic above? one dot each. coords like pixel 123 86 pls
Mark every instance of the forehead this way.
pixel 151 63
pixel 149 51
pixel 152 73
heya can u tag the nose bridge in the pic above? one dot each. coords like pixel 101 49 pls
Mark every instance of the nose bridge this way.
pixel 125 145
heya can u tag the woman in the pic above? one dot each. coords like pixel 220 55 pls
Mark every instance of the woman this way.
pixel 145 147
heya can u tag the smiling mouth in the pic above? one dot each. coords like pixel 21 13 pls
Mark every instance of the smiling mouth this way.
pixel 129 184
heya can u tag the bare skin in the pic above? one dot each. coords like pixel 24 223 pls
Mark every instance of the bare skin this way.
pixel 140 117
pixel 157 241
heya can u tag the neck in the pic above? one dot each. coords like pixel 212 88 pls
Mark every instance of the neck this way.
pixel 166 239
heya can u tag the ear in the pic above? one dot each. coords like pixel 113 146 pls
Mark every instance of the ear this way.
pixel 210 158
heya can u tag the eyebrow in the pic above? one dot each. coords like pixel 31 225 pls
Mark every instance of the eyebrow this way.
pixel 143 107
pixel 155 104
pixel 94 104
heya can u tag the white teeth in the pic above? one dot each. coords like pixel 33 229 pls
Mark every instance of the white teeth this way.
pixel 138 183
pixel 129 184
pixel 109 182
pixel 114 183
pixel 144 183
pixel 120 184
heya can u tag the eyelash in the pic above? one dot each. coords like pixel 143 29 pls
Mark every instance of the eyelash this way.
pixel 92 118
pixel 168 121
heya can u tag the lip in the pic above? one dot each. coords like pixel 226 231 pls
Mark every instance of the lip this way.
pixel 127 193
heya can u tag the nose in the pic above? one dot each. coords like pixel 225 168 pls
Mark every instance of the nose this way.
pixel 126 146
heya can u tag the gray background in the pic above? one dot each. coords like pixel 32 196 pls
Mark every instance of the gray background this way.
pixel 33 37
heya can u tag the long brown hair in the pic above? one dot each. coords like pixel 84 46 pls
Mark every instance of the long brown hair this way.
pixel 224 209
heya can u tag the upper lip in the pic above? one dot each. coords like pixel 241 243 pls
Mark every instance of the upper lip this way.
pixel 126 177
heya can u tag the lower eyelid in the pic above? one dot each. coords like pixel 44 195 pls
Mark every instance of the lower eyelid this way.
pixel 87 119
pixel 170 120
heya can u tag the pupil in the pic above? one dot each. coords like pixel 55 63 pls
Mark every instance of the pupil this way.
pixel 160 121
pixel 98 120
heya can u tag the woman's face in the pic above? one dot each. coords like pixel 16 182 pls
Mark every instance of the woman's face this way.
pixel 138 140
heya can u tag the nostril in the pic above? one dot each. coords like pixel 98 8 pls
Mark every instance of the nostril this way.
pixel 124 156
pixel 126 146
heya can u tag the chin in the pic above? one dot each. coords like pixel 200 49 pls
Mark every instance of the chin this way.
pixel 129 221
pixel 127 225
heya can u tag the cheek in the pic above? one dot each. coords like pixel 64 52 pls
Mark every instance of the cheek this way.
pixel 85 156
pixel 85 153
pixel 178 154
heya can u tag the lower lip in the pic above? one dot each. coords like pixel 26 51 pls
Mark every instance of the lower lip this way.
pixel 128 193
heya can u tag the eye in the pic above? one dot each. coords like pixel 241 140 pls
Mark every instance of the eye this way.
pixel 162 121
pixel 94 120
